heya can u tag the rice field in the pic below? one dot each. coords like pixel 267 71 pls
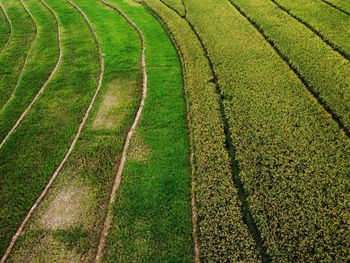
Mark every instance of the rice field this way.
pixel 174 131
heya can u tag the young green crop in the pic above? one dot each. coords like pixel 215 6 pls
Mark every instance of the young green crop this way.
pixel 13 58
pixel 223 236
pixel 5 29
pixel 292 155
pixel 33 152
pixel 151 216
pixel 332 25
pixel 90 170
pixel 41 62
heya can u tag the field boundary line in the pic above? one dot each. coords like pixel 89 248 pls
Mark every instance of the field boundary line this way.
pixel 305 83
pixel 11 29
pixel 194 214
pixel 61 165
pixel 121 165
pixel 335 47
pixel 245 210
pixel 336 7
pixel 184 5
pixel 28 54
pixel 174 9
pixel 24 114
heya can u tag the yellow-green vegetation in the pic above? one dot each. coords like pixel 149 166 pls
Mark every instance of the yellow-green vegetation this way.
pixel 176 5
pixel 222 232
pixel 33 152
pixel 46 50
pixel 12 60
pixel 325 72
pixel 330 24
pixel 284 139
pixel 292 155
pixel 340 5
pixel 241 152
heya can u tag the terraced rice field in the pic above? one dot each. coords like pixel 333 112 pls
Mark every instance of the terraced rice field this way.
pixel 174 130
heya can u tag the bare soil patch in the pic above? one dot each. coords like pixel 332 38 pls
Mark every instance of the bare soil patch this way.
pixel 67 208
pixel 111 107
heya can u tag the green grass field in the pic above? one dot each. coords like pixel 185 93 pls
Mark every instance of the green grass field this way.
pixel 174 130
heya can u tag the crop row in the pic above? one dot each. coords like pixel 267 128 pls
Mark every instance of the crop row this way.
pixel 5 29
pixel 42 60
pixel 330 24
pixel 151 219
pixel 223 236
pixel 12 60
pixel 158 157
pixel 293 157
pixel 341 6
pixel 33 152
pixel 87 176
pixel 176 5
pixel 270 166
pixel 324 71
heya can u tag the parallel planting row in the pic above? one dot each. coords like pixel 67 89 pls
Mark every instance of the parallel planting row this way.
pixel 222 232
pixel 281 84
pixel 79 195
pixel 328 23
pixel 322 69
pixel 340 5
pixel 34 76
pixel 72 40
pixel 31 155
pixel 241 152
pixel 13 58
pixel 5 29
pixel 152 221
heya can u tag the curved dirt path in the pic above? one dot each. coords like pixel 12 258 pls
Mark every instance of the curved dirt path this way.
pixel 9 21
pixel 117 179
pixel 20 119
pixel 59 168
